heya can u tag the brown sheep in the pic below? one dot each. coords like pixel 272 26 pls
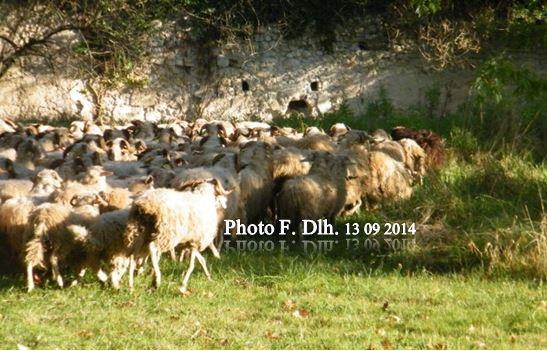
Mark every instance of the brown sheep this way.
pixel 431 142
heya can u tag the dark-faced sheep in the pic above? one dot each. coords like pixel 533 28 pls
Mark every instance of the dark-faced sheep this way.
pixel 431 142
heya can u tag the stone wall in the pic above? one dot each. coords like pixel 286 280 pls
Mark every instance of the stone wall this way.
pixel 262 78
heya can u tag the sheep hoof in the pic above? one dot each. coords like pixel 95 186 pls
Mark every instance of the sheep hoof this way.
pixel 184 291
pixel 74 283
pixel 115 284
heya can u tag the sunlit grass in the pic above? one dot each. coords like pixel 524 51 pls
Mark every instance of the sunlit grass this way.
pixel 252 300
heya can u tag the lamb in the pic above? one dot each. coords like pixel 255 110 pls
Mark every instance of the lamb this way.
pixel 161 219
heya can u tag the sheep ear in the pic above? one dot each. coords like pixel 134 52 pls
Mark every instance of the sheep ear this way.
pixel 106 173
pixel 223 202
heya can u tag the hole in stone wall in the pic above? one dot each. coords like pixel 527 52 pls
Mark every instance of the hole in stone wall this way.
pixel 314 86
pixel 245 85
pixel 298 106
pixel 362 45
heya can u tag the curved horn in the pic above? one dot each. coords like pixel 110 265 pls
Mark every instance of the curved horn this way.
pixel 124 144
pixel 222 131
pixel 219 189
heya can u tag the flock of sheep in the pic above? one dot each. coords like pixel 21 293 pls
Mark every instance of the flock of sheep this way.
pixel 110 198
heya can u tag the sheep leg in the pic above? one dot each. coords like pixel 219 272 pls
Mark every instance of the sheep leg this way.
pixel 102 276
pixel 80 275
pixel 218 242
pixel 183 289
pixel 203 263
pixel 54 261
pixel 120 265
pixel 183 254
pixel 140 263
pixel 131 271
pixel 155 258
pixel 30 278
pixel 214 250
pixel 173 254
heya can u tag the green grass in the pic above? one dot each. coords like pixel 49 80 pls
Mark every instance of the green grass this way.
pixel 247 306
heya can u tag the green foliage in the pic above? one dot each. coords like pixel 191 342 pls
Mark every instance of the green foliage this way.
pixel 426 7
pixel 511 104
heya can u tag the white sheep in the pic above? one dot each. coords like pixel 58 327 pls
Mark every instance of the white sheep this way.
pixel 161 219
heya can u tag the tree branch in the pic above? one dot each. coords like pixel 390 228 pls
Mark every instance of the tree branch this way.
pixel 20 51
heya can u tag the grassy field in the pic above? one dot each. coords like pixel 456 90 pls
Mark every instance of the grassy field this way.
pixel 473 276
pixel 282 301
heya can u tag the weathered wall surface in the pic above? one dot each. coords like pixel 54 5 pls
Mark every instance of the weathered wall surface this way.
pixel 265 78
